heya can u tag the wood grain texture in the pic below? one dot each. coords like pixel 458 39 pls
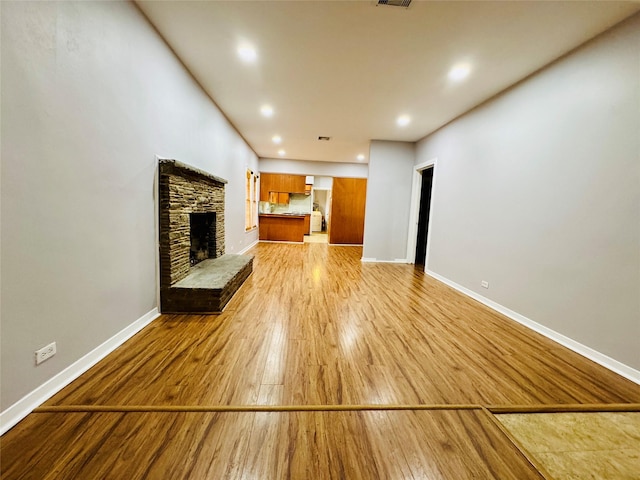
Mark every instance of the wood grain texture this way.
pixel 283 228
pixel 296 445
pixel 331 330
pixel 349 197
pixel 307 224
pixel 280 183
pixel 268 397
pixel 378 372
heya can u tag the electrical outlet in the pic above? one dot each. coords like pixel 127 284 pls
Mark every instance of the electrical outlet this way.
pixel 45 353
pixel 484 284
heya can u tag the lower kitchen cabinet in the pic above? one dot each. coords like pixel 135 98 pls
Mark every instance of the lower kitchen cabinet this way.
pixel 283 228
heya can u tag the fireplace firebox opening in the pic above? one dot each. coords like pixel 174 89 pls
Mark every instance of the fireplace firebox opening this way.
pixel 203 237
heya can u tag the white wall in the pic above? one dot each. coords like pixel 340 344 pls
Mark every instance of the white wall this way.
pixel 90 94
pixel 301 167
pixel 324 183
pixel 386 219
pixel 538 192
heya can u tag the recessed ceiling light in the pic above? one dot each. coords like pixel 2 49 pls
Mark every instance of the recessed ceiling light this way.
pixel 276 139
pixel 266 110
pixel 247 53
pixel 403 120
pixel 282 153
pixel 459 72
pixel 360 157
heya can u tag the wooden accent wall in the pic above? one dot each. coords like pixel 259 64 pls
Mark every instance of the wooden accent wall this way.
pixel 349 196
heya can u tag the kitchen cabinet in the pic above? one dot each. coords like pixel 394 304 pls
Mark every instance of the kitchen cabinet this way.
pixel 298 184
pixel 282 228
pixel 307 224
pixel 278 197
pixel 266 181
pixel 280 183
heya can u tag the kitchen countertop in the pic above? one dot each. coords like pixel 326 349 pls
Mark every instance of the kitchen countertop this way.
pixel 284 215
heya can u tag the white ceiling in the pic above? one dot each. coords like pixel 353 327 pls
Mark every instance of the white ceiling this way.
pixel 348 69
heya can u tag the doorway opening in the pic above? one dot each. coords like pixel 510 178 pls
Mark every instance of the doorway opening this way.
pixel 423 218
pixel 424 181
pixel 321 205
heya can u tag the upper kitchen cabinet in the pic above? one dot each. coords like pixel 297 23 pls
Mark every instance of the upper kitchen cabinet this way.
pixel 280 183
pixel 278 197
pixel 265 186
pixel 290 183
pixel 297 183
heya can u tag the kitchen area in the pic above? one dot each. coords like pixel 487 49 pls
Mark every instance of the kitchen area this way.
pixel 291 207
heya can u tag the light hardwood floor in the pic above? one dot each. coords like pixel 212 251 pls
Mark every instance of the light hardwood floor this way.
pixel 312 327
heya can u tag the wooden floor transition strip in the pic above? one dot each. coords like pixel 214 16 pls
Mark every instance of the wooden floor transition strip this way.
pixel 493 409
pixel 242 408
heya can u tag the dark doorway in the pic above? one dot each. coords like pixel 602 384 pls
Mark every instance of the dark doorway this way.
pixel 423 217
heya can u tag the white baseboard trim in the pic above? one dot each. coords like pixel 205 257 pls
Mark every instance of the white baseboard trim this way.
pixel 345 244
pixel 246 249
pixel 281 241
pixel 375 260
pixel 23 407
pixel 607 362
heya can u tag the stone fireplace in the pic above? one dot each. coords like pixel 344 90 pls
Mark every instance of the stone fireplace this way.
pixel 195 273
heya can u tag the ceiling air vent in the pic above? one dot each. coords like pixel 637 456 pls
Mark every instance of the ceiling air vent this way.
pixel 395 3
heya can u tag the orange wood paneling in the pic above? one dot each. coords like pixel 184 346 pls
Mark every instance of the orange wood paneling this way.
pixel 307 224
pixel 347 210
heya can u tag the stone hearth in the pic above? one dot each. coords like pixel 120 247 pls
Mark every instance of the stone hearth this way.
pixel 195 273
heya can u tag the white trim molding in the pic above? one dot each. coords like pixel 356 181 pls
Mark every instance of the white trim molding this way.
pixel 607 362
pixel 23 407
pixel 246 249
pixel 375 260
pixel 280 241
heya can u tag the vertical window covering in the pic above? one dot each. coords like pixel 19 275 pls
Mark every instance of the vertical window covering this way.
pixel 247 202
pixel 255 201
pixel 251 201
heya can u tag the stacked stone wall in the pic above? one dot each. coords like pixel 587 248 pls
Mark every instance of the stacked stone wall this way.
pixel 184 190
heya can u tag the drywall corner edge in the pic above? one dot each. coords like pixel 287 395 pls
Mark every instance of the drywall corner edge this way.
pixel 588 352
pixel 23 407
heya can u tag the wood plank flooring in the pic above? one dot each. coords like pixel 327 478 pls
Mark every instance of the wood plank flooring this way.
pixel 312 326
pixel 297 445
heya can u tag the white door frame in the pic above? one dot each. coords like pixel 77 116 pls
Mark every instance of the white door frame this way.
pixel 415 209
